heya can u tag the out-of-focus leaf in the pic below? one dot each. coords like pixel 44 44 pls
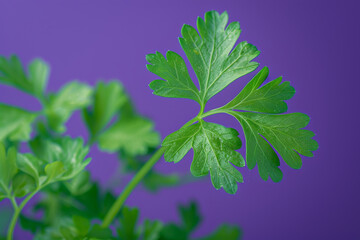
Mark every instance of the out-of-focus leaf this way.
pixel 133 135
pixel 152 229
pixel 60 106
pixel 108 98
pixel 54 170
pixel 225 232
pixel 8 168
pixel 153 181
pixel 12 73
pixel 82 225
pixel 190 216
pixel 98 232
pixel 173 232
pixel 23 184
pixel 70 152
pixel 127 229
pixel 30 224
pixel 80 184
pixel 15 123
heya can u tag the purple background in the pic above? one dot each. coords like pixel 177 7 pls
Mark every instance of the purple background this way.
pixel 313 44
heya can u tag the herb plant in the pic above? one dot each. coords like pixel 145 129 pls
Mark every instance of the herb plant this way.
pixel 75 207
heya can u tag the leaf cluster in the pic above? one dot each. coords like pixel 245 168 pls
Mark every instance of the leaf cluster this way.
pixel 217 61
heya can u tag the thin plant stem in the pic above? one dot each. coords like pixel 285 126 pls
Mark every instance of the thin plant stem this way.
pixel 130 187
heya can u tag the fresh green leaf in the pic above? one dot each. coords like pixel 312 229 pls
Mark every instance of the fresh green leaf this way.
pixel 214 150
pixel 225 232
pixel 210 55
pixel 152 229
pixel 80 184
pixel 23 184
pixel 190 216
pixel 133 135
pixel 266 99
pixel 15 123
pixel 32 166
pixel 54 170
pixel 73 96
pixel 108 98
pixel 12 73
pixel 178 83
pixel 8 168
pixel 38 76
pixel 286 135
pixel 70 152
pixel 127 228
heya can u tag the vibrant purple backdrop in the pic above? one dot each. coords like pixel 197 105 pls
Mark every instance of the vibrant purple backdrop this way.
pixel 313 44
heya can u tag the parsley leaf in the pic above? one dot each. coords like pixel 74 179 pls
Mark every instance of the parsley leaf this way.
pixel 214 150
pixel 267 99
pixel 127 229
pixel 34 82
pixel 210 55
pixel 8 169
pixel 15 123
pixel 134 135
pixel 108 98
pixel 225 232
pixel 284 132
pixel 59 107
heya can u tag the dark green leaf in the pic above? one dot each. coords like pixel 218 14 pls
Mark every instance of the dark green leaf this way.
pixel 127 228
pixel 98 232
pixel 214 148
pixel 173 232
pixel 82 225
pixel 152 229
pixel 190 216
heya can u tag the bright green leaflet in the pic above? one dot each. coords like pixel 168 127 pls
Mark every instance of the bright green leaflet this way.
pixel 214 150
pixel 267 99
pixel 59 107
pixel 210 55
pixel 8 169
pixel 282 131
pixel 134 136
pixel 34 82
pixel 108 98
pixel 15 123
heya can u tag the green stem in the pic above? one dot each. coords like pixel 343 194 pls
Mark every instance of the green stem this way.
pixel 115 208
pixel 17 211
pixel 130 187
